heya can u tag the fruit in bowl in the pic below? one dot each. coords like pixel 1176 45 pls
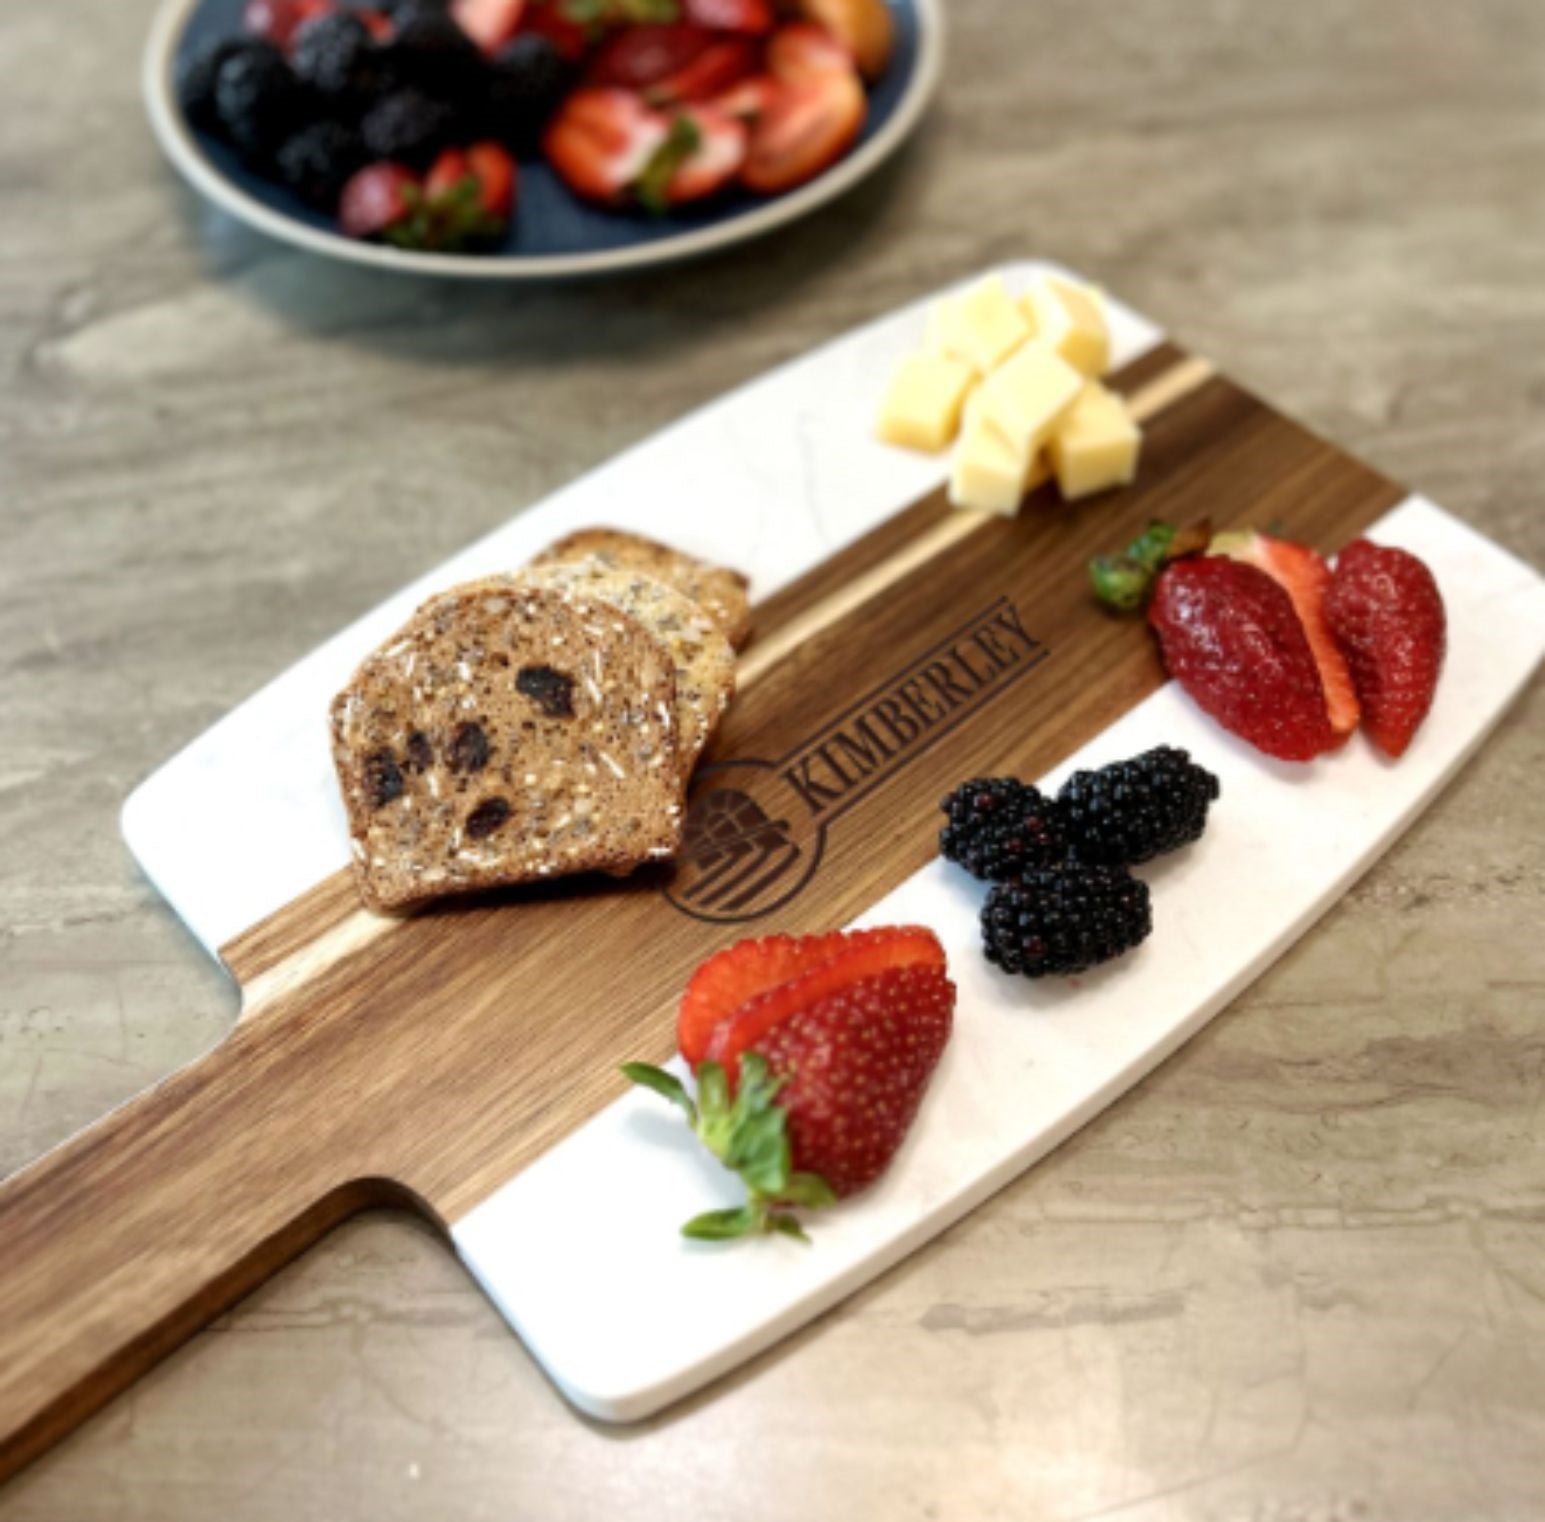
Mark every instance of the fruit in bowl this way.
pixel 404 119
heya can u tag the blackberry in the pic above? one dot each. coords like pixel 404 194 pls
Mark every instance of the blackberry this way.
pixel 259 100
pixel 429 52
pixel 1065 920
pixel 197 72
pixel 409 128
pixel 527 82
pixel 320 160
pixel 999 828
pixel 1135 810
pixel 333 54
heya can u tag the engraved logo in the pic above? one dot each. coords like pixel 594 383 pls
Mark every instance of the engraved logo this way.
pixel 757 830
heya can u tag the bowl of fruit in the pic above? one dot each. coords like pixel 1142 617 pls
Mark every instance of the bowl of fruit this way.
pixel 533 138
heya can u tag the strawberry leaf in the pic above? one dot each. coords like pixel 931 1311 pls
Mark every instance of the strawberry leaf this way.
pixel 725 1225
pixel 654 181
pixel 1123 581
pixel 747 1131
pixel 663 1084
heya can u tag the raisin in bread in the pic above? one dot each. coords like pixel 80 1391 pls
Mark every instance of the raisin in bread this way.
pixel 508 732
pixel 703 659
pixel 722 594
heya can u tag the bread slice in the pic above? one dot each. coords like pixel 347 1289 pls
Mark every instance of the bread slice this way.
pixel 724 595
pixel 508 732
pixel 703 659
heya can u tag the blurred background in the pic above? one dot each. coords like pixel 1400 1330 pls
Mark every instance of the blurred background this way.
pixel 215 451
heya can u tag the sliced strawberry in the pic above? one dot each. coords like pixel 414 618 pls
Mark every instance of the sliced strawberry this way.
pixel 822 1105
pixel 869 954
pixel 1303 574
pixel 735 976
pixel 378 198
pixel 751 98
pixel 806 51
pixel 805 130
pixel 601 140
pixel 640 56
pixel 857 1065
pixel 279 20
pixel 1387 612
pixel 717 69
pixel 447 172
pixel 865 28
pixel 1231 638
pixel 489 169
pixel 489 23
pixel 702 152
pixel 496 177
pixel 754 17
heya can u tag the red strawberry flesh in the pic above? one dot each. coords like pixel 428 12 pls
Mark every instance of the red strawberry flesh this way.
pixel 733 977
pixel 645 55
pixel 806 50
pixel 601 141
pixel 867 954
pixel 857 1063
pixel 713 72
pixel 1233 641
pixel 717 158
pixel 1386 611
pixel 806 127
pixel 1303 574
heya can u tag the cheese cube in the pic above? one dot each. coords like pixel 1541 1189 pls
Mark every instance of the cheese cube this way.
pixel 921 409
pixel 988 474
pixel 1026 398
pixel 1097 444
pixel 939 329
pixel 982 325
pixel 1071 318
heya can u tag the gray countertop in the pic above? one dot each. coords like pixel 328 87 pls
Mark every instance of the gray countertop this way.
pixel 1299 1274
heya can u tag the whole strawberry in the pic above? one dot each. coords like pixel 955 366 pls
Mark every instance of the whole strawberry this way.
pixel 1387 614
pixel 1232 639
pixel 823 1099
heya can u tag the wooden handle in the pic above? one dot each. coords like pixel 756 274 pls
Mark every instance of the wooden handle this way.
pixel 134 1234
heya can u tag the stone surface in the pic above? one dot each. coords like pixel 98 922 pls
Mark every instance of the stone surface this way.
pixel 1294 1277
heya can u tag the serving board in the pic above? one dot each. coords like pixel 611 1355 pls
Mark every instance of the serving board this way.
pixel 464 1061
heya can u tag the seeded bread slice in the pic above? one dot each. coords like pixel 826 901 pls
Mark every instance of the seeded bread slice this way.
pixel 721 593
pixel 508 732
pixel 703 659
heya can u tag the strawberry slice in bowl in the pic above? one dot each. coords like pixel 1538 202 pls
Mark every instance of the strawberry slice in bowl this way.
pixel 804 128
pixel 702 153
pixel 602 140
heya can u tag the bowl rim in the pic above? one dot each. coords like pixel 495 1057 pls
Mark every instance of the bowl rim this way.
pixel 178 142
